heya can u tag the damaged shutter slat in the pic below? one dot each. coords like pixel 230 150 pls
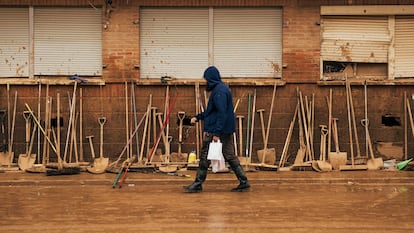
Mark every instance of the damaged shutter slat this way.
pixel 355 39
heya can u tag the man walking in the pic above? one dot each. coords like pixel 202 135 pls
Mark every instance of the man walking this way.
pixel 219 124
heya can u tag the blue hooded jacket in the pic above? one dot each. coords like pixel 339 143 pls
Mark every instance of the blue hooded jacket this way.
pixel 219 115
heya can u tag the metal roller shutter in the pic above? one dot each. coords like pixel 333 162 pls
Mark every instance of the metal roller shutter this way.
pixel 14 42
pixel 173 42
pixel 242 42
pixel 404 46
pixel 248 42
pixel 68 41
pixel 355 39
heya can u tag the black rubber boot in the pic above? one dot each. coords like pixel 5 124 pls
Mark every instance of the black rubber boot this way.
pixel 196 186
pixel 241 176
pixel 242 187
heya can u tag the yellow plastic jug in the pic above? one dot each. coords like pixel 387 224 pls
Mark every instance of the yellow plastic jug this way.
pixel 192 157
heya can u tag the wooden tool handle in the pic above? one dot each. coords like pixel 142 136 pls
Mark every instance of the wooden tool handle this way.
pixel 91 146
pixel 26 116
pixel 260 111
pixel 180 116
pixel 240 120
pixel 335 134
pixel 101 121
pixel 329 100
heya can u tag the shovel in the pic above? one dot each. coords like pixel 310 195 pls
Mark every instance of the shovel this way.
pixel 359 159
pixel 351 167
pixel 165 167
pixel 372 163
pixel 267 155
pixel 322 164
pixel 101 163
pixel 27 160
pixel 336 158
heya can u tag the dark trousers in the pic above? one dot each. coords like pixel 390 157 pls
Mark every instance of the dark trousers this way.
pixel 228 150
pixel 228 147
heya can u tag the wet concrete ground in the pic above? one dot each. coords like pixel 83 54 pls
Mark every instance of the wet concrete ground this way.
pixel 365 201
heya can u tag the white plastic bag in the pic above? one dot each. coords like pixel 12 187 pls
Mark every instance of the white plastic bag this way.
pixel 215 155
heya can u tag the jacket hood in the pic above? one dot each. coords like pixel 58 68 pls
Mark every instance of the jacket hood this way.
pixel 212 76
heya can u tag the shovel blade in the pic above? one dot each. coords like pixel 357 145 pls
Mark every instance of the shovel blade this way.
pixel 324 166
pixel 375 164
pixel 168 168
pixel 26 161
pixel 337 159
pixel 99 166
pixel 5 158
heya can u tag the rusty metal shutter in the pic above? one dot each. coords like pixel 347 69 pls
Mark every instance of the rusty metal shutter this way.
pixel 173 42
pixel 14 42
pixel 404 46
pixel 248 42
pixel 355 39
pixel 68 41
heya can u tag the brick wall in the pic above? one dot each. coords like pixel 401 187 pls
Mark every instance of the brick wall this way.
pixel 301 46
pixel 120 43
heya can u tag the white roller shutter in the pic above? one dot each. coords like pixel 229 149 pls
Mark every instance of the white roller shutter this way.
pixel 173 42
pixel 14 42
pixel 248 42
pixel 355 39
pixel 404 46
pixel 68 41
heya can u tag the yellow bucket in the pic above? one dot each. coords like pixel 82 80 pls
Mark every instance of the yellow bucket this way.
pixel 192 157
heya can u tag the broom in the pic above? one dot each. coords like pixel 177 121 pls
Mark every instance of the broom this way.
pixel 114 165
pixel 60 169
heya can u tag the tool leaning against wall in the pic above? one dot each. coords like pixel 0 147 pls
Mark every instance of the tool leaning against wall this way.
pixel 100 164
pixel 4 155
pixel 27 159
pixel 7 157
pixel 267 156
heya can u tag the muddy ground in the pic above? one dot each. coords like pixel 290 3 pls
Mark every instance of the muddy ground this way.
pixel 366 201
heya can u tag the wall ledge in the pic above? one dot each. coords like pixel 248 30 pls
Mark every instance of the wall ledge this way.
pixel 229 81
pixel 395 82
pixel 50 81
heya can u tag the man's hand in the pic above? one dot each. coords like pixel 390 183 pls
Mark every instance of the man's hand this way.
pixel 216 138
pixel 193 120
